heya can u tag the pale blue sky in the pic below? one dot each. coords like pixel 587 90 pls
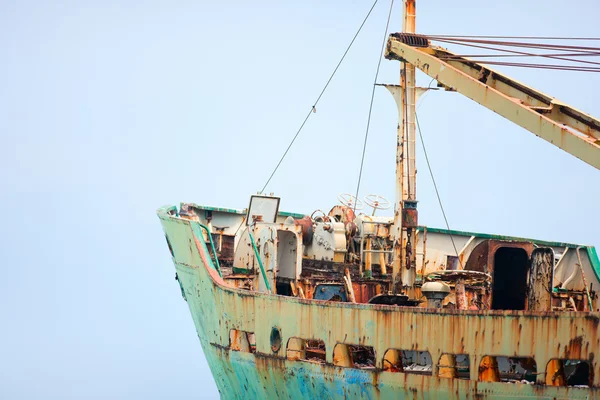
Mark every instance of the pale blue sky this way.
pixel 110 109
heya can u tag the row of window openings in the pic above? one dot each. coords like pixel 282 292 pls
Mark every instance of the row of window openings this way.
pixel 559 372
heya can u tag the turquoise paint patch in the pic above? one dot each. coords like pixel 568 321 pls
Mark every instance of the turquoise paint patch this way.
pixel 593 256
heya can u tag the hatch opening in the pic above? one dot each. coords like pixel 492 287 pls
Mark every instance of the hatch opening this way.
pixel 509 288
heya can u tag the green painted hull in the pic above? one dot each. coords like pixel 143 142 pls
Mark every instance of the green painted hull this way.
pixel 216 309
pixel 243 375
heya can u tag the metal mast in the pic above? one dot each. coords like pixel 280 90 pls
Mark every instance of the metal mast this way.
pixel 405 217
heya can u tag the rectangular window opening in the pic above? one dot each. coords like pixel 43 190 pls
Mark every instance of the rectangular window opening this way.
pixel 354 356
pixel 311 350
pixel 408 361
pixel 508 369
pixel 563 372
pixel 454 366
pixel 242 341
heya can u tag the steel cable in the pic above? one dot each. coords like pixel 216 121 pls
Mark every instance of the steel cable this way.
pixel 516 37
pixel 557 57
pixel 362 160
pixel 519 44
pixel 520 53
pixel 437 193
pixel 314 107
pixel 544 66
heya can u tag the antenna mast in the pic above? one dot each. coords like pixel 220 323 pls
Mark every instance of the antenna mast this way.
pixel 405 217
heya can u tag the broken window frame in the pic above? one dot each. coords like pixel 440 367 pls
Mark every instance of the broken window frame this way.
pixel 464 375
pixel 242 341
pixel 395 362
pixel 502 376
pixel 301 348
pixel 346 355
pixel 549 375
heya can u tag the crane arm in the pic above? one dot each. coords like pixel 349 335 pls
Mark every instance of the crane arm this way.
pixel 573 131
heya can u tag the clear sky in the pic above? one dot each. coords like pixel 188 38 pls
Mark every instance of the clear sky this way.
pixel 110 109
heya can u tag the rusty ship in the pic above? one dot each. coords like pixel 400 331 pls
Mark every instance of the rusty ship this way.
pixel 390 308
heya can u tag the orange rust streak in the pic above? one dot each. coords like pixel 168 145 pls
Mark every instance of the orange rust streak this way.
pixel 555 373
pixel 213 273
pixel 488 370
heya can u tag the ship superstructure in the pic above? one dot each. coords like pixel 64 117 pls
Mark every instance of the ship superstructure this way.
pixel 346 304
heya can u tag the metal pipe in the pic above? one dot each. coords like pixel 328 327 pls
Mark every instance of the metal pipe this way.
pixel 409 100
pixel 260 264
pixel 405 187
pixel 368 251
pixel 368 272
pixel 408 97
pixel 460 293
pixel 424 252
pixel 349 288
pixel 379 251
pixel 360 268
pixel 212 245
pixel 383 264
pixel 584 281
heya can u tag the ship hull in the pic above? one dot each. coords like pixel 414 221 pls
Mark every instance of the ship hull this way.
pixel 265 373
pixel 242 375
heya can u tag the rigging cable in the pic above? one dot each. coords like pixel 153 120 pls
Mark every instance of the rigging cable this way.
pixel 516 37
pixel 514 53
pixel 521 54
pixel 313 109
pixel 437 191
pixel 553 56
pixel 544 66
pixel 519 44
pixel 362 160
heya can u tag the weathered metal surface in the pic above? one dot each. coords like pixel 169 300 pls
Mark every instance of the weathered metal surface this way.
pixel 567 128
pixel 555 373
pixel 406 189
pixel 461 296
pixel 539 292
pixel 585 285
pixel 306 226
pixel 216 309
pixel 330 292
pixel 412 39
pixel 410 218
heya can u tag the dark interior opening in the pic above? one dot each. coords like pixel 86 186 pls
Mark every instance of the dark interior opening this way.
pixel 283 287
pixel 509 288
pixel 577 373
pixel 362 356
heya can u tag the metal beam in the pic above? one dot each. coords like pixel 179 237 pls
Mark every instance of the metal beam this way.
pixel 573 131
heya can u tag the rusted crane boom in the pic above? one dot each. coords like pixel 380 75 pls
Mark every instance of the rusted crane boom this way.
pixel 575 132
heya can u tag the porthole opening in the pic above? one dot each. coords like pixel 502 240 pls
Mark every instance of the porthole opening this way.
pixel 275 339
